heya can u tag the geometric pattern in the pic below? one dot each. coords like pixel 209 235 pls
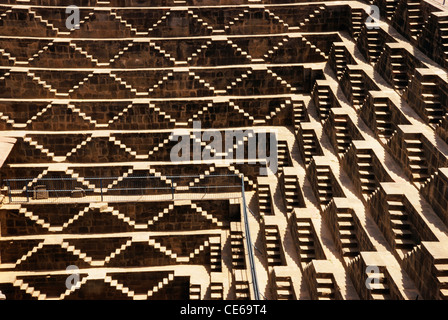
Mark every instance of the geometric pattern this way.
pixel 361 120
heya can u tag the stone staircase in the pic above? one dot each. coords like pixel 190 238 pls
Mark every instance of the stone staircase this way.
pixel 235 20
pixel 195 292
pixel 357 20
pixel 273 246
pixel 237 247
pixel 242 291
pixel 29 253
pixel 433 109
pixel 347 235
pixel 299 114
pixel 30 215
pixel 312 17
pixel 391 6
pixel 305 241
pixel 121 53
pixel 37 146
pixel 366 172
pixel 272 16
pixel 321 93
pixel 309 145
pixel 29 289
pixel 291 192
pixel 264 200
pixel 40 19
pixel 216 291
pixel 400 224
pixel 343 138
pixel 284 289
pixel 206 215
pixel 415 18
pixel 338 52
pixel 126 24
pixel 45 85
pixel 399 69
pixel 375 46
pixel 8 56
pixel 86 55
pixel 357 87
pixel 383 118
pixel 324 185
pixel 443 37
pixel 283 157
pixel 441 273
pixel 325 286
pixel 417 160
pixel 380 289
pixel 215 254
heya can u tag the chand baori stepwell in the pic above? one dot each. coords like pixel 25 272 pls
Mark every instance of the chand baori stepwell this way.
pixel 356 92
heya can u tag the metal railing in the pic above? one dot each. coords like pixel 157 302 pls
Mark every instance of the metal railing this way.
pixel 133 188
pixel 124 188
pixel 249 245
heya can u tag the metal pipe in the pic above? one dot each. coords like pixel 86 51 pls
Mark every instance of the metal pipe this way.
pixel 249 244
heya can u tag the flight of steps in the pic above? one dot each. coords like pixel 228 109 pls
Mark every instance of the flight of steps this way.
pixel 29 289
pixel 400 224
pixel 374 44
pixel 343 139
pixel 216 291
pixel 324 100
pixel 443 37
pixel 441 272
pixel 242 291
pixel 32 14
pixel 291 194
pixel 215 254
pixel 380 289
pixel 391 6
pixel 356 21
pixel 8 56
pixel 44 84
pixel 264 200
pixel 309 140
pixel 340 59
pixel 434 110
pixel 273 246
pixel 357 86
pixel 275 49
pixel 305 241
pixel 324 185
pixel 236 19
pixel 195 292
pixel 415 18
pixel 366 172
pixel 347 235
pixel 38 146
pixel 4 76
pixel 284 289
pixel 237 247
pixel 312 16
pixel 383 118
pixel 299 114
pixel 283 158
pixel 326 288
pixel 417 160
pixel 398 67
